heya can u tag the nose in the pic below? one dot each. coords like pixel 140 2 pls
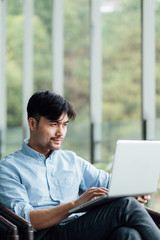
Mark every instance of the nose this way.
pixel 59 131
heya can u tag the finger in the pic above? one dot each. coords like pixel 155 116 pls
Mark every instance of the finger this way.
pixel 141 200
pixel 105 189
pixel 97 193
pixel 98 190
pixel 147 197
pixel 144 198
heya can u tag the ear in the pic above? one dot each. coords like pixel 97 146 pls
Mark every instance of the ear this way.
pixel 32 122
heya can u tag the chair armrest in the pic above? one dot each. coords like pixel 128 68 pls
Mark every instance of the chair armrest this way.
pixel 154 215
pixel 24 227
pixel 8 230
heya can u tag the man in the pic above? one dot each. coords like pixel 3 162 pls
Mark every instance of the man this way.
pixel 41 183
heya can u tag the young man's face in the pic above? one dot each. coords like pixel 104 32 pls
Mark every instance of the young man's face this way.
pixel 48 135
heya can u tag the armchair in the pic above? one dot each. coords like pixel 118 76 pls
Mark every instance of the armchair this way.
pixel 8 230
pixel 24 227
pixel 154 215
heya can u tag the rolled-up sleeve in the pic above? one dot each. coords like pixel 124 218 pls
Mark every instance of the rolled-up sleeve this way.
pixel 22 209
pixel 13 193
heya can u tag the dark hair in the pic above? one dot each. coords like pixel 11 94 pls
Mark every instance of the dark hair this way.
pixel 49 105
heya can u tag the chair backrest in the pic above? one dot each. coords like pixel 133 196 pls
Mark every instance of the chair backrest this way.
pixel 8 231
pixel 24 227
pixel 155 215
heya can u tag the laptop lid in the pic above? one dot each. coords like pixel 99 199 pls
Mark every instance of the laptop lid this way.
pixel 135 172
pixel 136 168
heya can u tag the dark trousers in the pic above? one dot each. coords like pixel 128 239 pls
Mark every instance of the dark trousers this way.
pixel 123 219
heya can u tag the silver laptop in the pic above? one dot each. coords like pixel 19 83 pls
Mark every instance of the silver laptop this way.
pixel 135 172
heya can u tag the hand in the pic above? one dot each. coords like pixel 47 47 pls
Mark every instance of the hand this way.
pixel 90 194
pixel 143 199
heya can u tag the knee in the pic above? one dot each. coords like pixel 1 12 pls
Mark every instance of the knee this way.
pixel 129 205
pixel 125 233
pixel 130 202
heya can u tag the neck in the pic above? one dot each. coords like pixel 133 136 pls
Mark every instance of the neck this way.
pixel 46 152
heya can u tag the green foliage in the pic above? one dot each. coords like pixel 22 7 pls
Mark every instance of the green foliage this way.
pixel 43 9
pixel 76 55
pixel 15 94
pixel 14 7
pixel 42 56
pixel 14 69
pixel 122 63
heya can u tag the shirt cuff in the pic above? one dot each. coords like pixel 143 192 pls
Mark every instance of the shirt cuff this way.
pixel 22 209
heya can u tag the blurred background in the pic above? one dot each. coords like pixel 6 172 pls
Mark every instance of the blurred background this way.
pixel 102 55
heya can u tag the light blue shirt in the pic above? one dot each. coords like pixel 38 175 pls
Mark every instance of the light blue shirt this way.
pixel 30 181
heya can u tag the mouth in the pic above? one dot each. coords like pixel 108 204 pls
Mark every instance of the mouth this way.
pixel 57 140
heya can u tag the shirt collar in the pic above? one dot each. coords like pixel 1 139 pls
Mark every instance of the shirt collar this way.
pixel 30 151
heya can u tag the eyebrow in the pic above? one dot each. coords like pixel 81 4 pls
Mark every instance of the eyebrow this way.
pixel 59 121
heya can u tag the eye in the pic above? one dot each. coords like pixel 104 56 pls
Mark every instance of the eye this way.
pixel 53 124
